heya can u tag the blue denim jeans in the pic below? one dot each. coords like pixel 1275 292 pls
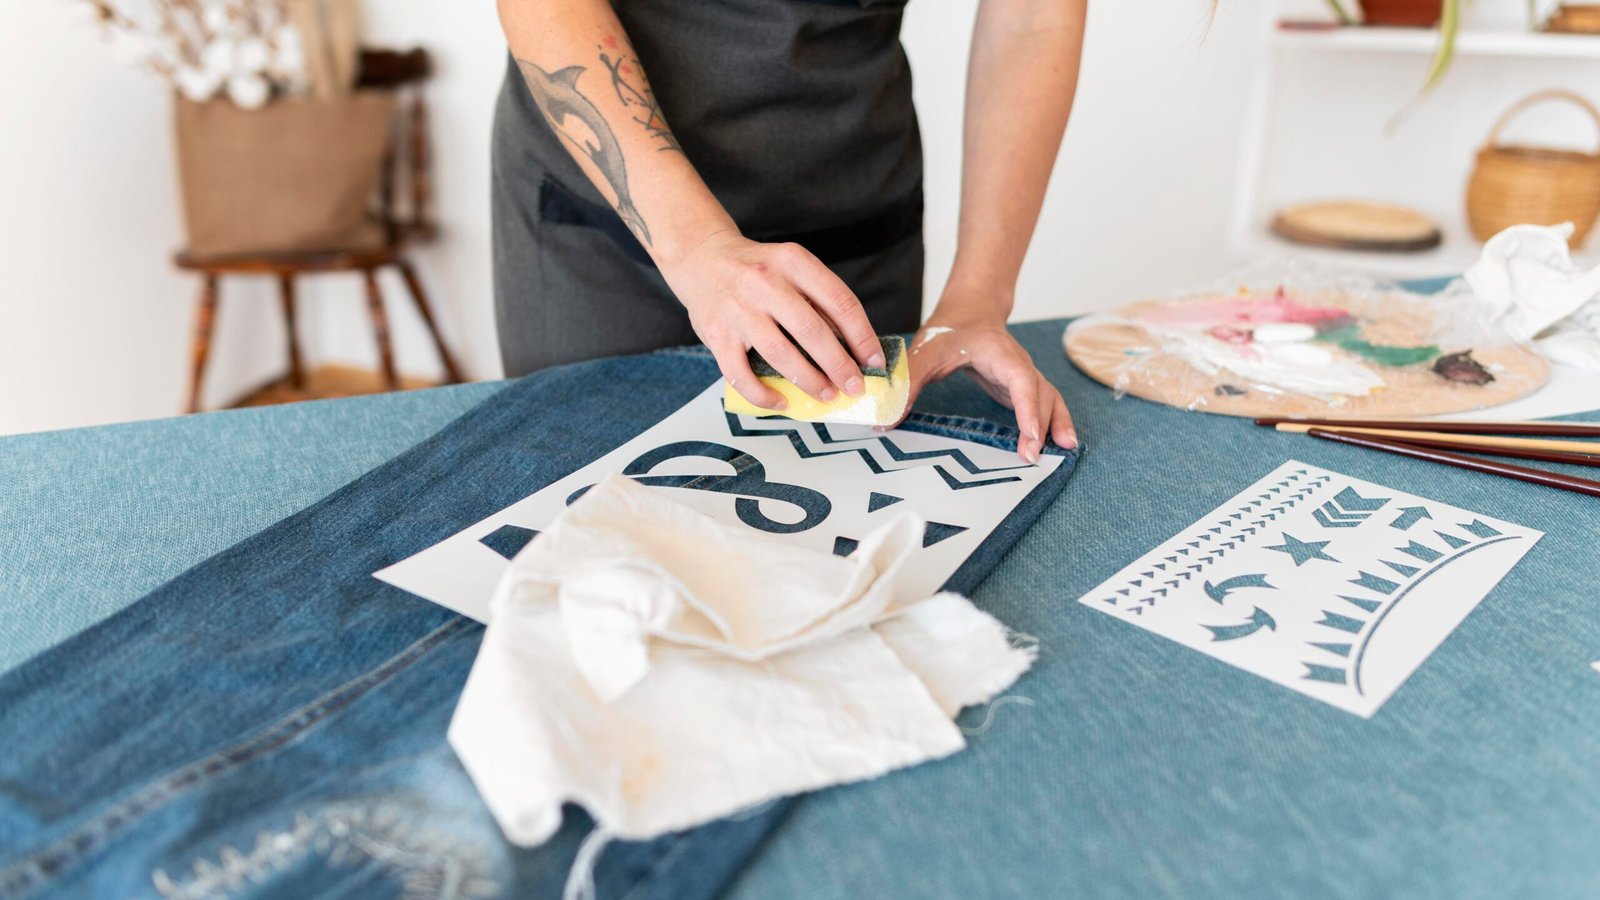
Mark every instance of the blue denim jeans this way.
pixel 272 722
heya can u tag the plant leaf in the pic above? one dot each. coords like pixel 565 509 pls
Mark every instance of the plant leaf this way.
pixel 1344 16
pixel 1449 27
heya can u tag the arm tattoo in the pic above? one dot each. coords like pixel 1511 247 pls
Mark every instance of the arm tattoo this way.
pixel 639 99
pixel 558 97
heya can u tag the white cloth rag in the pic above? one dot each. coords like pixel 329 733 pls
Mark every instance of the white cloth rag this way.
pixel 1527 283
pixel 664 670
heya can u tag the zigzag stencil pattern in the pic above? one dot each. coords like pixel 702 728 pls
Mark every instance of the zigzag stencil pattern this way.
pixel 894 451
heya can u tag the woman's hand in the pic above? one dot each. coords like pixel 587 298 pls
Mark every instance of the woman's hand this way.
pixel 742 294
pixel 1001 367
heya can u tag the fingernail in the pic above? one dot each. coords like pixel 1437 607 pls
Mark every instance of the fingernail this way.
pixel 1072 442
pixel 781 404
pixel 826 394
pixel 880 428
pixel 1031 455
pixel 875 361
pixel 853 387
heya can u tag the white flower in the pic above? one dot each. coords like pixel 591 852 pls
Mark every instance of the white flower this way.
pixel 218 57
pixel 251 55
pixel 130 47
pixel 195 84
pixel 248 91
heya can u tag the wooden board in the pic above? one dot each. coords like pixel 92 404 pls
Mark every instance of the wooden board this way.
pixel 1119 353
pixel 1358 225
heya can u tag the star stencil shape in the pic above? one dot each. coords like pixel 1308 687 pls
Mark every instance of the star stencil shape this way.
pixel 1303 551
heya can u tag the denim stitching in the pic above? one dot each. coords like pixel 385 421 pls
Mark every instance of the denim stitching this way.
pixel 46 864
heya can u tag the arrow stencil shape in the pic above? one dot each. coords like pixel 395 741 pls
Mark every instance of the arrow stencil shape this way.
pixel 1347 509
pixel 1228 585
pixel 1410 516
pixel 1350 500
pixel 1258 620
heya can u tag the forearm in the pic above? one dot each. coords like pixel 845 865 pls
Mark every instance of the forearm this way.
pixel 583 74
pixel 1021 79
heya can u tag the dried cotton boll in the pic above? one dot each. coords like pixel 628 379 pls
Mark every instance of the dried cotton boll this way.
pixel 195 84
pixel 216 18
pixel 218 57
pixel 251 55
pixel 289 57
pixel 249 91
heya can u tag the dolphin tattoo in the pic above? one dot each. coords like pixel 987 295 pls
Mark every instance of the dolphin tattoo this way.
pixel 558 97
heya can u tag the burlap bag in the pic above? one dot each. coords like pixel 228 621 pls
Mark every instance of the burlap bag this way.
pixel 298 175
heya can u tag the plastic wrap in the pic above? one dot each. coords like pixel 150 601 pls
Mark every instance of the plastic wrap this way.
pixel 1296 340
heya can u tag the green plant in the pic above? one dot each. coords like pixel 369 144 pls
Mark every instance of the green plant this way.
pixel 1449 26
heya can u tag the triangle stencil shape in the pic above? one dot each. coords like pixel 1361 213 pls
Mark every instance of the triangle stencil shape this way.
pixel 877 501
pixel 843 546
pixel 939 531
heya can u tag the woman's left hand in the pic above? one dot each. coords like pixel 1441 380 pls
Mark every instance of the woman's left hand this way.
pixel 1001 367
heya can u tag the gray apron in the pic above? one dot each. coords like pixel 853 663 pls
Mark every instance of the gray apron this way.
pixel 798 115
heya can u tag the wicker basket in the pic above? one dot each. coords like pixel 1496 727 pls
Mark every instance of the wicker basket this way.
pixel 1514 185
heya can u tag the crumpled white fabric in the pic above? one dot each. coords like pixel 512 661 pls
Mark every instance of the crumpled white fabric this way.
pixel 664 670
pixel 1526 281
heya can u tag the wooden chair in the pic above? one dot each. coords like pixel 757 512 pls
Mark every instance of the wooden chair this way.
pixel 379 69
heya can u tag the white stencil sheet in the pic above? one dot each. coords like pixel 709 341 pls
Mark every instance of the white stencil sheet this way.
pixel 1335 587
pixel 837 484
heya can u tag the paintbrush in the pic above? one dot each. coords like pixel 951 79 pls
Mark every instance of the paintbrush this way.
pixel 1503 470
pixel 1571 459
pixel 1515 443
pixel 1541 429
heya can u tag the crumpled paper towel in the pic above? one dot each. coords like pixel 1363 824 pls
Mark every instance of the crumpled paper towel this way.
pixel 664 670
pixel 1526 281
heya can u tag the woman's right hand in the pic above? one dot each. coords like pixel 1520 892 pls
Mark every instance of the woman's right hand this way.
pixel 743 294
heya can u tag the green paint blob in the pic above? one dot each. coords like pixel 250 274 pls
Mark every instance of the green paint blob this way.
pixel 1349 338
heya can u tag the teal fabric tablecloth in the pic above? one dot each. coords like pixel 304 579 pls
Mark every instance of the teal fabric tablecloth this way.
pixel 94 518
pixel 1141 769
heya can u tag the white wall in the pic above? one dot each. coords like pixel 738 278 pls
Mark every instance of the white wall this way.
pixel 1142 186
pixel 94 324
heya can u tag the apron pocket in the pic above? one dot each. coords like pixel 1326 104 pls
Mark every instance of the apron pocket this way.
pixel 560 206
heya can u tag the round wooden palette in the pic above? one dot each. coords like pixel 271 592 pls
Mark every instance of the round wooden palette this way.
pixel 1117 351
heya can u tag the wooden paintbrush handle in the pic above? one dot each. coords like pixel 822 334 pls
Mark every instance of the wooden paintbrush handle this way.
pixel 1530 429
pixel 1504 470
pixel 1395 434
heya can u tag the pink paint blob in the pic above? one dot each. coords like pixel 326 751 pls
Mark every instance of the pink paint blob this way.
pixel 1236 314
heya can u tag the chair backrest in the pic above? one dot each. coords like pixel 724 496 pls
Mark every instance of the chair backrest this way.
pixel 410 153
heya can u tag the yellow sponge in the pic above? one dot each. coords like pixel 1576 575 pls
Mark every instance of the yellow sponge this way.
pixel 882 403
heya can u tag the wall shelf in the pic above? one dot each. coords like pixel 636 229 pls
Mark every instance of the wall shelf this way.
pixel 1324 121
pixel 1481 42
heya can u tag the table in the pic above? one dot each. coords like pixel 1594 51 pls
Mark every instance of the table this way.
pixel 1141 769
